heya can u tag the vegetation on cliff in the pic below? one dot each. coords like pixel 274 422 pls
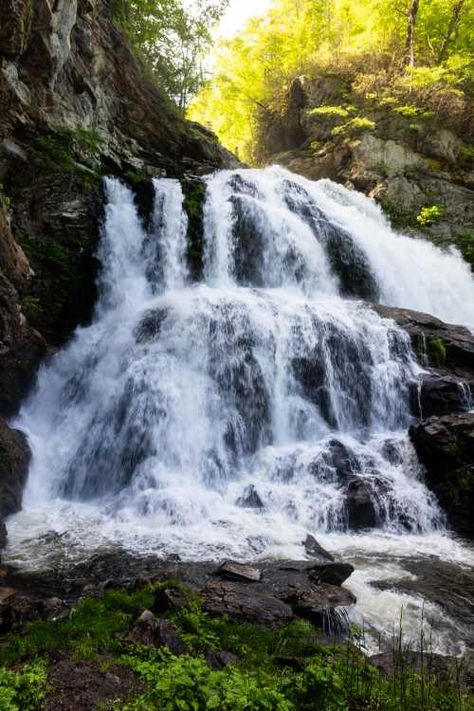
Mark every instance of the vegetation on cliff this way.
pixel 413 55
pixel 173 39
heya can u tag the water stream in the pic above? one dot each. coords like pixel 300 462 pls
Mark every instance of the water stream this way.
pixel 235 415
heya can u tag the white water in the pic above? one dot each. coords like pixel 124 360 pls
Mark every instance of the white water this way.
pixel 234 416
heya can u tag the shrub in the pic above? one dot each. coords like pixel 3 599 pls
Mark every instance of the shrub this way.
pixel 430 215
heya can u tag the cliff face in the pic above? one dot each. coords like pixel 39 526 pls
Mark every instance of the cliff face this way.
pixel 398 154
pixel 74 104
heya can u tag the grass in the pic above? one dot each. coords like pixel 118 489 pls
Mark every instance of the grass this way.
pixel 278 670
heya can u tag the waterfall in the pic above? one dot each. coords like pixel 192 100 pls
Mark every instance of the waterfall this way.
pixel 237 414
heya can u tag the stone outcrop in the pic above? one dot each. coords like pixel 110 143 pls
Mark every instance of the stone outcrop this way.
pixel 281 591
pixel 14 461
pixel 404 163
pixel 445 445
pixel 446 352
pixel 444 435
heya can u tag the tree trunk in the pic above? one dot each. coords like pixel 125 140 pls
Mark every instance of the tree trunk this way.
pixel 452 27
pixel 410 41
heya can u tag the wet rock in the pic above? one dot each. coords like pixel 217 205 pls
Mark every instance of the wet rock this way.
pixel 219 660
pixel 151 631
pixel 443 393
pixel 238 571
pixel 360 505
pixel 315 550
pixel 319 604
pixel 250 499
pixel 331 573
pixel 241 602
pixel 14 461
pixel 445 446
pixel 437 344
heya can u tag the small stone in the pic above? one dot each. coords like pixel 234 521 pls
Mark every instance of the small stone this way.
pixel 239 571
pixel 219 660
pixel 153 632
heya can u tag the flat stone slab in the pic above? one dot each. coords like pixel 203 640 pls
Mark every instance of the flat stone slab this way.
pixel 240 571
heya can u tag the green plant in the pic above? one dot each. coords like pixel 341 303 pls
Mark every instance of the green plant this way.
pixel 329 111
pixel 59 148
pixel 430 215
pixel 355 125
pixel 23 690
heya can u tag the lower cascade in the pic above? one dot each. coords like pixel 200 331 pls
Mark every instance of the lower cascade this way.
pixel 236 414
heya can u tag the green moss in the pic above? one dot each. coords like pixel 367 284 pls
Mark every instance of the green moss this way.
pixel 62 148
pixel 436 352
pixel 400 218
pixel 194 198
pixel 465 243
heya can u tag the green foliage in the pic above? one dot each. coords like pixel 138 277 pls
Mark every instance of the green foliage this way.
pixel 188 684
pixel 329 111
pixel 359 45
pixel 333 678
pixel 5 199
pixel 23 690
pixel 465 243
pixel 62 148
pixel 89 630
pixel 354 126
pixel 430 215
pixel 173 38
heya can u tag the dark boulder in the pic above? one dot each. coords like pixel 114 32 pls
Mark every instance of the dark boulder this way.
pixel 361 511
pixel 331 573
pixel 14 461
pixel 250 499
pixel 241 602
pixel 442 393
pixel 445 446
pixel 219 660
pixel 172 598
pixel 151 631
pixel 320 604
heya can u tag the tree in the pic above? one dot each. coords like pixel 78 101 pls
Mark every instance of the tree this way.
pixel 410 38
pixel 173 41
pixel 452 27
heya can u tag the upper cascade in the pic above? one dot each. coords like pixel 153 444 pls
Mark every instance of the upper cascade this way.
pixel 267 401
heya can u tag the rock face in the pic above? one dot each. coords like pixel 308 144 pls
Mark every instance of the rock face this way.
pixel 445 445
pixel 74 104
pixel 406 164
pixel 446 352
pixel 444 435
pixel 14 461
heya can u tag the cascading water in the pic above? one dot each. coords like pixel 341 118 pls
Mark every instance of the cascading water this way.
pixel 235 415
